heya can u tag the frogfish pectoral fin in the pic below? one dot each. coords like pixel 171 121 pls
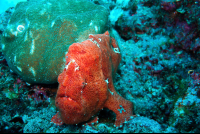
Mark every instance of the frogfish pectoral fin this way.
pixel 56 119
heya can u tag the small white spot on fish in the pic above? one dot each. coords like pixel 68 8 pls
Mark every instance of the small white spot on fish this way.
pixel 116 50
pixel 107 81
pixel 112 93
pixel 95 42
pixel 66 67
pixel 77 68
pixel 72 61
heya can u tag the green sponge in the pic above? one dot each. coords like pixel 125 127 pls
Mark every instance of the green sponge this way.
pixel 39 33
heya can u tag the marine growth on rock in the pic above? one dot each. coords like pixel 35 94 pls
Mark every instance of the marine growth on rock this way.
pixel 40 32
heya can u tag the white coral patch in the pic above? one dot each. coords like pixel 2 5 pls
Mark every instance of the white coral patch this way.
pixel 26 36
pixel 32 47
pixel 14 32
pixel 3 46
pixel 64 60
pixel 96 28
pixel 49 4
pixel 66 52
pixel 20 28
pixel 19 68
pixel 15 58
pixel 52 23
pixel 91 23
pixel 32 70
pixel 5 34
pixel 27 22
pixel 30 34
pixel 43 11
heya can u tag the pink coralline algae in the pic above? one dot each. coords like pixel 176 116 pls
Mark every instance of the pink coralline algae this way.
pixel 169 6
pixel 38 94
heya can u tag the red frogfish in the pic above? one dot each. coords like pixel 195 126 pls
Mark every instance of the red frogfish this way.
pixel 86 83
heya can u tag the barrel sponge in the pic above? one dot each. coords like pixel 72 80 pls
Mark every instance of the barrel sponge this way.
pixel 40 32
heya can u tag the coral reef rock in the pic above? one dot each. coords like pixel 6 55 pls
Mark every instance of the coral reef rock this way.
pixel 40 32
